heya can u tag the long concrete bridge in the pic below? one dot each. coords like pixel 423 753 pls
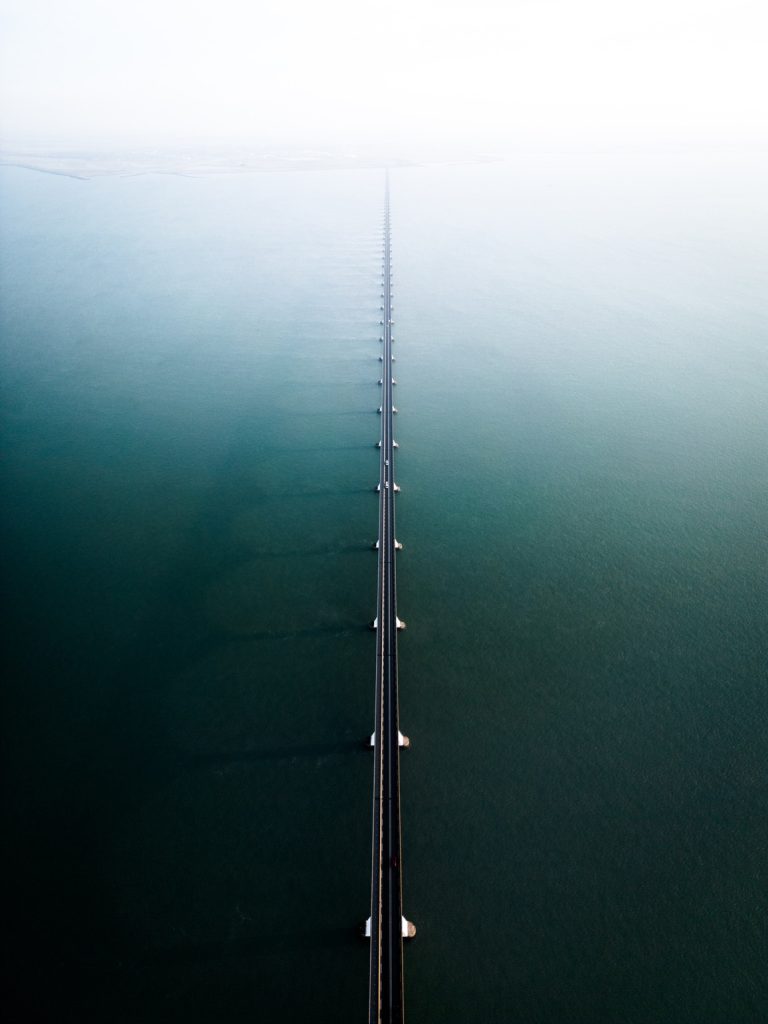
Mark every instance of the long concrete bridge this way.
pixel 387 927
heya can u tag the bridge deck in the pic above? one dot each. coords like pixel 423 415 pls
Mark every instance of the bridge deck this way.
pixel 386 965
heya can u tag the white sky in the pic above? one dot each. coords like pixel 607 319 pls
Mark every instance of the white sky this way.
pixel 344 70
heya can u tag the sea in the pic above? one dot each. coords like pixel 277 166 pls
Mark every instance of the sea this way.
pixel 189 385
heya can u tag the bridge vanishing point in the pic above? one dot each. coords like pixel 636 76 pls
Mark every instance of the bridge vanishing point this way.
pixel 387 927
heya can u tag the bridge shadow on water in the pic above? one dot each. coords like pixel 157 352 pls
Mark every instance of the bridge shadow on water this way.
pixel 265 943
pixel 334 492
pixel 327 550
pixel 368 411
pixel 218 759
pixel 348 629
pixel 320 449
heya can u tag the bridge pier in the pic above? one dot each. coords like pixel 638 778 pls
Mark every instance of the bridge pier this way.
pixel 407 929
pixel 402 741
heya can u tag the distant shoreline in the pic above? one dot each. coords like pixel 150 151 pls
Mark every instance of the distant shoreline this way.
pixel 84 170
pixel 208 164
pixel 43 170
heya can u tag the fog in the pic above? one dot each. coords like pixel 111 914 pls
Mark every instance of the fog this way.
pixel 484 74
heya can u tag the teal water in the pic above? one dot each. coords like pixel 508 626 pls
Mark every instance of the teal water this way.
pixel 188 373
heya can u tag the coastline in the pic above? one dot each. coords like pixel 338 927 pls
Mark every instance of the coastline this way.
pixel 195 163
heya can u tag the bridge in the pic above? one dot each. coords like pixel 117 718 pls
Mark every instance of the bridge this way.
pixel 387 927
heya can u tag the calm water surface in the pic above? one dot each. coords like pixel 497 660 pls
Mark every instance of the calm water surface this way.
pixel 189 376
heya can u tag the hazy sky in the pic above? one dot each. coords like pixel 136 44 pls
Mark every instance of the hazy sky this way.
pixel 259 70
